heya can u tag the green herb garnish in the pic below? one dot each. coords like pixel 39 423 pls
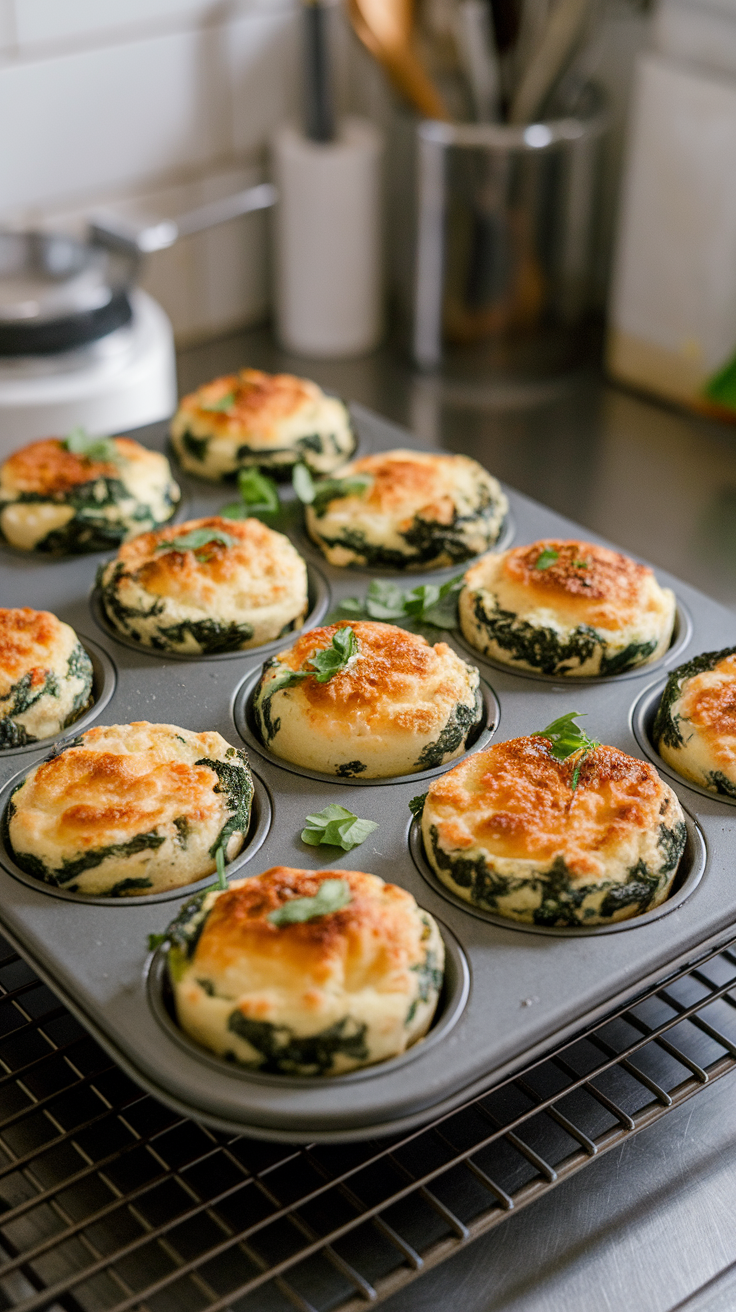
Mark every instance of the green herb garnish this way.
pixel 258 496
pixel 546 558
pixel 333 895
pixel 429 603
pixel 196 540
pixel 323 664
pixel 220 863
pixel 416 805
pixel 338 656
pixel 581 564
pixel 337 827
pixel 318 495
pixel 224 404
pixel 567 738
pixel 80 443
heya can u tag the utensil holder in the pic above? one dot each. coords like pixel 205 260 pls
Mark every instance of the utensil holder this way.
pixel 502 271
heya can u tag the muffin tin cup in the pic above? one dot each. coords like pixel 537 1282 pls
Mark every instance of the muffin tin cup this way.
pixel 532 987
pixel 688 875
pixel 260 823
pixel 103 686
pixel 643 714
pixel 245 725
pixel 318 600
pixel 681 638
pixel 450 1006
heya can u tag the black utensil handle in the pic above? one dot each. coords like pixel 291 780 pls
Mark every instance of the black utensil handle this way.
pixel 320 112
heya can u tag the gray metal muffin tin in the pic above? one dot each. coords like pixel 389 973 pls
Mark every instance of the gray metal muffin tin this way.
pixel 510 992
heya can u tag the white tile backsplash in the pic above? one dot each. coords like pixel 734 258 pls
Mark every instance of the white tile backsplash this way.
pixel 149 108
pixel 262 51
pixel 103 119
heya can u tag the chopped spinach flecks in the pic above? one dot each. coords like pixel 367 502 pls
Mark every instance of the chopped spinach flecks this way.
pixel 236 783
pixel 666 727
pixel 721 783
pixel 561 901
pixel 196 447
pixel 71 869
pixel 542 649
pixel 282 1052
pixel 124 886
pixel 456 733
pixel 429 982
pixel 416 805
pixel 348 769
pixel 672 844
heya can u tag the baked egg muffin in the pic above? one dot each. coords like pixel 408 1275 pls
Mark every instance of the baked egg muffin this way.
pixel 563 607
pixel 56 500
pixel 207 585
pixel 695 727
pixel 407 510
pixel 512 830
pixel 395 705
pixel 130 809
pixel 45 676
pixel 317 996
pixel 254 418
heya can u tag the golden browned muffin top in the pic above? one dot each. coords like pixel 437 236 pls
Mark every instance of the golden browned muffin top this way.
pixel 363 944
pixel 239 550
pixel 260 401
pixel 28 639
pixel 516 799
pixel 708 701
pixel 391 667
pixel 121 780
pixel 47 468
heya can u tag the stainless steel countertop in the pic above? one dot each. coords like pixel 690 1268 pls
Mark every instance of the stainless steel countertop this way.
pixel 651 1223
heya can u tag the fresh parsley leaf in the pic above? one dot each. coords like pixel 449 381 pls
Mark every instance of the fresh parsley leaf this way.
pixel 567 738
pixel 258 496
pixel 319 495
pixel 333 895
pixel 196 540
pixel 337 827
pixel 429 603
pixel 80 443
pixel 546 557
pixel 220 863
pixel 323 664
pixel 303 483
pixel 338 656
pixel 416 805
pixel 155 941
pixel 581 564
pixel 224 404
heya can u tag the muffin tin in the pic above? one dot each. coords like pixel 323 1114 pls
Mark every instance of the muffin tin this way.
pixel 511 991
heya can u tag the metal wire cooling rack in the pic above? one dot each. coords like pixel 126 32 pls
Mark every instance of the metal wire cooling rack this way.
pixel 109 1202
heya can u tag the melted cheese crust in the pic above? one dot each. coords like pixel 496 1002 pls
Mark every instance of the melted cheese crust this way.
pixel 268 416
pixel 259 582
pixel 587 586
pixel 45 676
pixel 131 802
pixel 411 489
pixel 55 479
pixel 705 716
pixel 381 715
pixel 511 812
pixel 359 969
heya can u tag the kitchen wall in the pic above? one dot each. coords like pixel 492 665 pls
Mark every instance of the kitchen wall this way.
pixel 148 108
